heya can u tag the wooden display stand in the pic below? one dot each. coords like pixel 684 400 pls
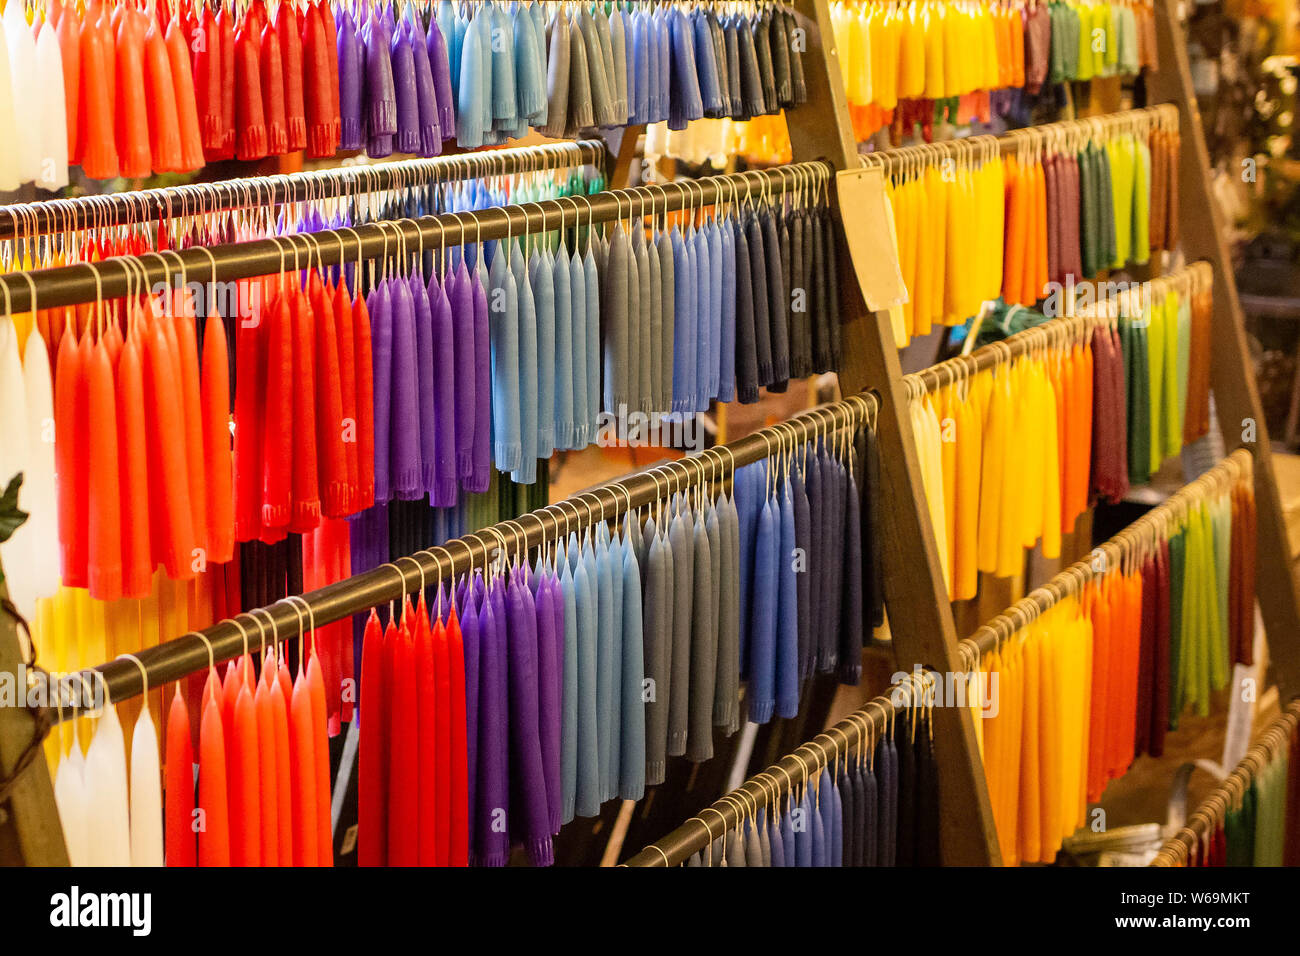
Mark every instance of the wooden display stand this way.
pixel 916 597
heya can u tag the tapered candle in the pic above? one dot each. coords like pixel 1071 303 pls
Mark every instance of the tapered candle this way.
pixel 108 838
pixel 372 751
pixel 146 793
pixel 321 748
pixel 404 748
pixel 245 807
pixel 428 778
pixel 180 845
pixel 283 765
pixel 303 750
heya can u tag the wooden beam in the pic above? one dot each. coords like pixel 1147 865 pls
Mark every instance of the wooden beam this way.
pixel 1232 377
pixel 917 600
pixel 30 834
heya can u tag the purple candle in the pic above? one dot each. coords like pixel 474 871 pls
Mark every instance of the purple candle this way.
pixel 380 307
pixel 404 440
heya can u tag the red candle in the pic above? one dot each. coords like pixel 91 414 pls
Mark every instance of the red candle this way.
pixel 431 830
pixel 365 404
pixel 187 111
pixel 404 750
pixel 442 744
pixel 250 118
pixel 277 453
pixel 105 518
pixel 283 765
pixel 96 138
pixel 71 458
pixel 132 112
pixel 459 769
pixel 271 70
pixel 215 414
pixel 187 353
pixel 303 749
pixel 305 513
pixel 164 122
pixel 245 809
pixel 324 832
pixel 268 803
pixel 165 422
pixel 206 45
pixel 327 406
pixel 286 28
pixel 214 833
pixel 179 783
pixel 372 751
pixel 68 26
pixel 226 34
pixel 346 352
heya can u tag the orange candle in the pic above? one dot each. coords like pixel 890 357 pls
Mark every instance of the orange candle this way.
pixel 179 784
pixel 214 831
pixel 267 762
pixel 283 766
pixel 303 774
pixel 321 750
pixel 245 815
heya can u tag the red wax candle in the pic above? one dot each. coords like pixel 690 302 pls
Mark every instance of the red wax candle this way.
pixel 68 26
pixel 459 768
pixel 268 803
pixel 215 414
pixel 188 353
pixel 206 45
pixel 132 112
pixel 277 454
pixel 328 405
pixel 104 522
pixel 432 850
pixel 404 750
pixel 250 402
pixel 226 35
pixel 250 119
pixel 372 750
pixel 320 740
pixel 305 514
pixel 71 458
pixel 346 352
pixel 442 752
pixel 214 834
pixel 365 405
pixel 95 114
pixel 271 70
pixel 283 765
pixel 189 126
pixel 303 749
pixel 179 782
pixel 164 424
pixel 245 808
pixel 295 115
pixel 160 89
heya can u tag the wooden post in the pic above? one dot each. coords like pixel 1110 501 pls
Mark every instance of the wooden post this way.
pixel 30 834
pixel 915 594
pixel 1232 377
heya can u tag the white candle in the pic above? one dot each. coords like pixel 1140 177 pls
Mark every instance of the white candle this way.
pixel 109 839
pixel 146 793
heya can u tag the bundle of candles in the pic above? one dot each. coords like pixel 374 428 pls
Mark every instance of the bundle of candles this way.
pixel 1092 669
pixel 127 90
pixel 598 616
pixel 1069 411
pixel 926 61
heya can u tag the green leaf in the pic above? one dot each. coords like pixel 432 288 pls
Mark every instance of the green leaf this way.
pixel 11 516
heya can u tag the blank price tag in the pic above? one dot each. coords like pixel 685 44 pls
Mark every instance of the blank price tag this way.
pixel 869 230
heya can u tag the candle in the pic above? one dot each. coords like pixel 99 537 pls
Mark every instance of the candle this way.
pixel 303 774
pixel 70 798
pixel 283 765
pixel 108 838
pixel 372 751
pixel 180 784
pixel 214 820
pixel 404 743
pixel 321 748
pixel 269 805
pixel 146 795
pixel 245 815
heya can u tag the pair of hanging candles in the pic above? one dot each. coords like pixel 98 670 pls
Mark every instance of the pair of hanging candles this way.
pixel 1090 675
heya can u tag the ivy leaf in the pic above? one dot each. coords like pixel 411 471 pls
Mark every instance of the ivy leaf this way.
pixel 11 516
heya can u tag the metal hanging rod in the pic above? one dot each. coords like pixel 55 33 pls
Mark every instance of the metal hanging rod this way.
pixel 1185 845
pixel 121 275
pixel 177 658
pixel 59 215
pixel 1191 278
pixel 776 781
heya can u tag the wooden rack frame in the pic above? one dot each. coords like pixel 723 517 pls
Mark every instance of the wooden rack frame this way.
pixel 916 598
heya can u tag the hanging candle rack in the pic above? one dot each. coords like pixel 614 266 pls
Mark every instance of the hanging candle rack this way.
pixel 120 275
pixel 121 679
